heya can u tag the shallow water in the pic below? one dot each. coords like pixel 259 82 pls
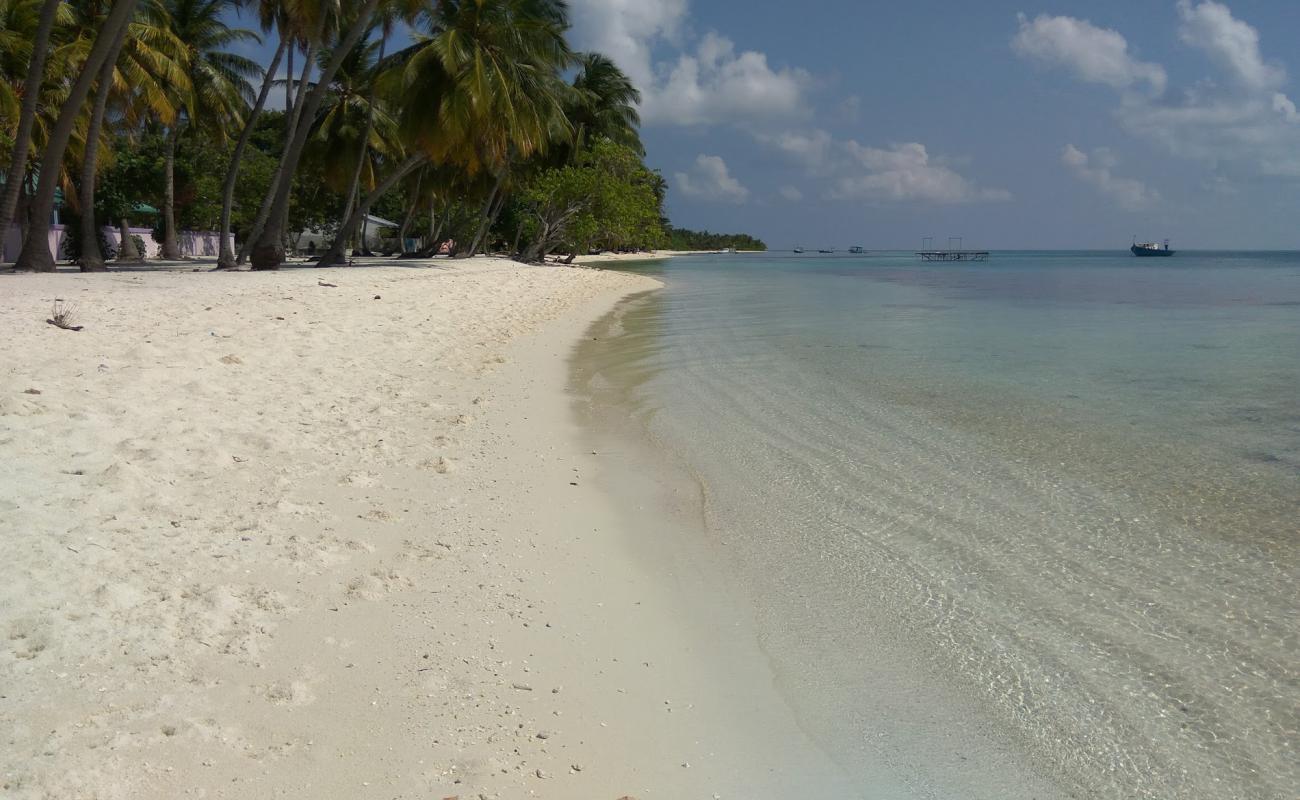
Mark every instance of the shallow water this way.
pixel 1032 518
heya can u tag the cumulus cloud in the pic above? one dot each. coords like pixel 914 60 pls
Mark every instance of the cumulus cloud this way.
pixel 907 172
pixel 791 193
pixel 1242 123
pixel 1096 170
pixel 625 30
pixel 813 149
pixel 711 82
pixel 849 170
pixel 709 179
pixel 1232 43
pixel 1096 55
pixel 718 84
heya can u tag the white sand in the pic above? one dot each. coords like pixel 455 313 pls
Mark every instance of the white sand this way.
pixel 269 538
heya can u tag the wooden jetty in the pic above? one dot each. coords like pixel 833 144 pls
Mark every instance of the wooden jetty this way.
pixel 953 255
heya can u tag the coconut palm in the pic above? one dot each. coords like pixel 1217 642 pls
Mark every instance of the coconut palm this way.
pixel 268 251
pixel 350 116
pixel 603 105
pixel 220 93
pixel 148 77
pixel 36 253
pixel 272 14
pixel 481 86
pixel 19 21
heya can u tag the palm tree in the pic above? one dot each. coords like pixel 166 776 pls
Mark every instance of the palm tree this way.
pixel 36 253
pixel 220 91
pixel 603 105
pixel 316 19
pixel 35 76
pixel 147 73
pixel 480 87
pixel 363 160
pixel 268 252
pixel 272 14
pixel 351 123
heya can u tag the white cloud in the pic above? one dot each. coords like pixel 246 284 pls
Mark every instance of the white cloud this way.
pixel 1283 105
pixel 1232 43
pixel 709 179
pixel 810 148
pixel 1095 170
pixel 1096 55
pixel 717 84
pixel 791 193
pixel 1246 126
pixel 711 83
pixel 850 170
pixel 907 172
pixel 625 30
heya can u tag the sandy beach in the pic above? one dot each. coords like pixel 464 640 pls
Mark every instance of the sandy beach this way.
pixel 335 534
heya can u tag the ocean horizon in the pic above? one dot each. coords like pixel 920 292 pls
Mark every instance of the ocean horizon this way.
pixel 1025 522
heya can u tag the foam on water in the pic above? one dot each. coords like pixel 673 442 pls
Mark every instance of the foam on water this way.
pixel 1003 524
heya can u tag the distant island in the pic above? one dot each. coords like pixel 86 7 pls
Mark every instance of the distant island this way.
pixel 685 239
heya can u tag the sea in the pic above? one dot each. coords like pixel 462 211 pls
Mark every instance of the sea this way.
pixel 1030 522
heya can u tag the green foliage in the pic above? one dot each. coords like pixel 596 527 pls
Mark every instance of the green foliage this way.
pixel 133 179
pixel 683 239
pixel 607 200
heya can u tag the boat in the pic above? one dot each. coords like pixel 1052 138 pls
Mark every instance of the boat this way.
pixel 826 251
pixel 1149 249
pixel 857 249
pixel 798 249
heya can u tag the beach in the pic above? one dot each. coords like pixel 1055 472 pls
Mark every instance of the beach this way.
pixel 336 533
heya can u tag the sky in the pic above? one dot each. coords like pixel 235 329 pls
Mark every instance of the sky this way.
pixel 1022 124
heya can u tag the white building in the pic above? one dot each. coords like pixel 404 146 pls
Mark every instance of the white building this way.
pixel 375 229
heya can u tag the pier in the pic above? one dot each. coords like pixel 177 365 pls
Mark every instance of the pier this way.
pixel 953 255
pixel 953 252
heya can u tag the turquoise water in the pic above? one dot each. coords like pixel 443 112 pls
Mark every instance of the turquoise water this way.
pixel 1031 520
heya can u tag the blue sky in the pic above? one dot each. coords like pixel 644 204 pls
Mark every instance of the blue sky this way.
pixel 1013 124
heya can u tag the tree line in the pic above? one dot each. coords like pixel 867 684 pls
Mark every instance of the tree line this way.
pixel 684 239
pixel 479 129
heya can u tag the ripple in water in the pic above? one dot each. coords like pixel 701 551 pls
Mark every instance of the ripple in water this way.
pixel 1032 519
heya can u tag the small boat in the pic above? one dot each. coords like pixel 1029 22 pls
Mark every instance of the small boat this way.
pixel 857 249
pixel 1149 249
pixel 826 251
pixel 798 249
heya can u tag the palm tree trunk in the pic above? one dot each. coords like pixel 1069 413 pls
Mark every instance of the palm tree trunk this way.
pixel 288 79
pixel 435 227
pixel 365 138
pixel 264 211
pixel 126 249
pixel 36 253
pixel 26 118
pixel 292 115
pixel 171 248
pixel 487 217
pixel 295 116
pixel 226 260
pixel 410 214
pixel 335 255
pixel 92 260
pixel 268 253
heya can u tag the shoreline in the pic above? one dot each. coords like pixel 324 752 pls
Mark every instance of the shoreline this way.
pixel 325 534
